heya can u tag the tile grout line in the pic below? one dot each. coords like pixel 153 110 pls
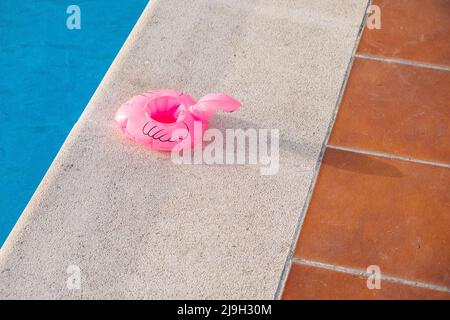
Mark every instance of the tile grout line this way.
pixel 288 261
pixel 403 61
pixel 360 272
pixel 390 156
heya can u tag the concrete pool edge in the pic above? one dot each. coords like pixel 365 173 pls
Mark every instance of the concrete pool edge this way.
pixel 84 126
pixel 289 258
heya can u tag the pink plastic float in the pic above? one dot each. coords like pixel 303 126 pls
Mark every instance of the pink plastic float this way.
pixel 164 119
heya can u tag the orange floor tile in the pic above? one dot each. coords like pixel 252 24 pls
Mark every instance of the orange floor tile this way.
pixel 369 210
pixel 397 109
pixel 411 29
pixel 306 282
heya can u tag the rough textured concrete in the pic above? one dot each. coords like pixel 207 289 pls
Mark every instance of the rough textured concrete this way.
pixel 139 226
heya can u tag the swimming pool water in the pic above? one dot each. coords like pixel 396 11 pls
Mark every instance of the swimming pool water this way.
pixel 48 74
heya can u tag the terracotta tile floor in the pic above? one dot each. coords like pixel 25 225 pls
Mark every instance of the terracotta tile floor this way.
pixel 382 195
pixel 377 211
pixel 415 30
pixel 307 282
pixel 397 109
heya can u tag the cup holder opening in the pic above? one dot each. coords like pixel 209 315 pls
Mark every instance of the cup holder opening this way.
pixel 167 116
pixel 163 110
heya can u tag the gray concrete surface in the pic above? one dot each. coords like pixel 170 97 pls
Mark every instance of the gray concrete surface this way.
pixel 139 226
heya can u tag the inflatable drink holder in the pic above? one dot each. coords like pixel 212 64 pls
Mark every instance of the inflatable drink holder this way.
pixel 164 119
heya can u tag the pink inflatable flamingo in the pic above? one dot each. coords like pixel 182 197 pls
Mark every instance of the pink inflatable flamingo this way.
pixel 164 119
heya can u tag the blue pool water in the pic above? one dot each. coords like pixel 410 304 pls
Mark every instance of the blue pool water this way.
pixel 48 74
